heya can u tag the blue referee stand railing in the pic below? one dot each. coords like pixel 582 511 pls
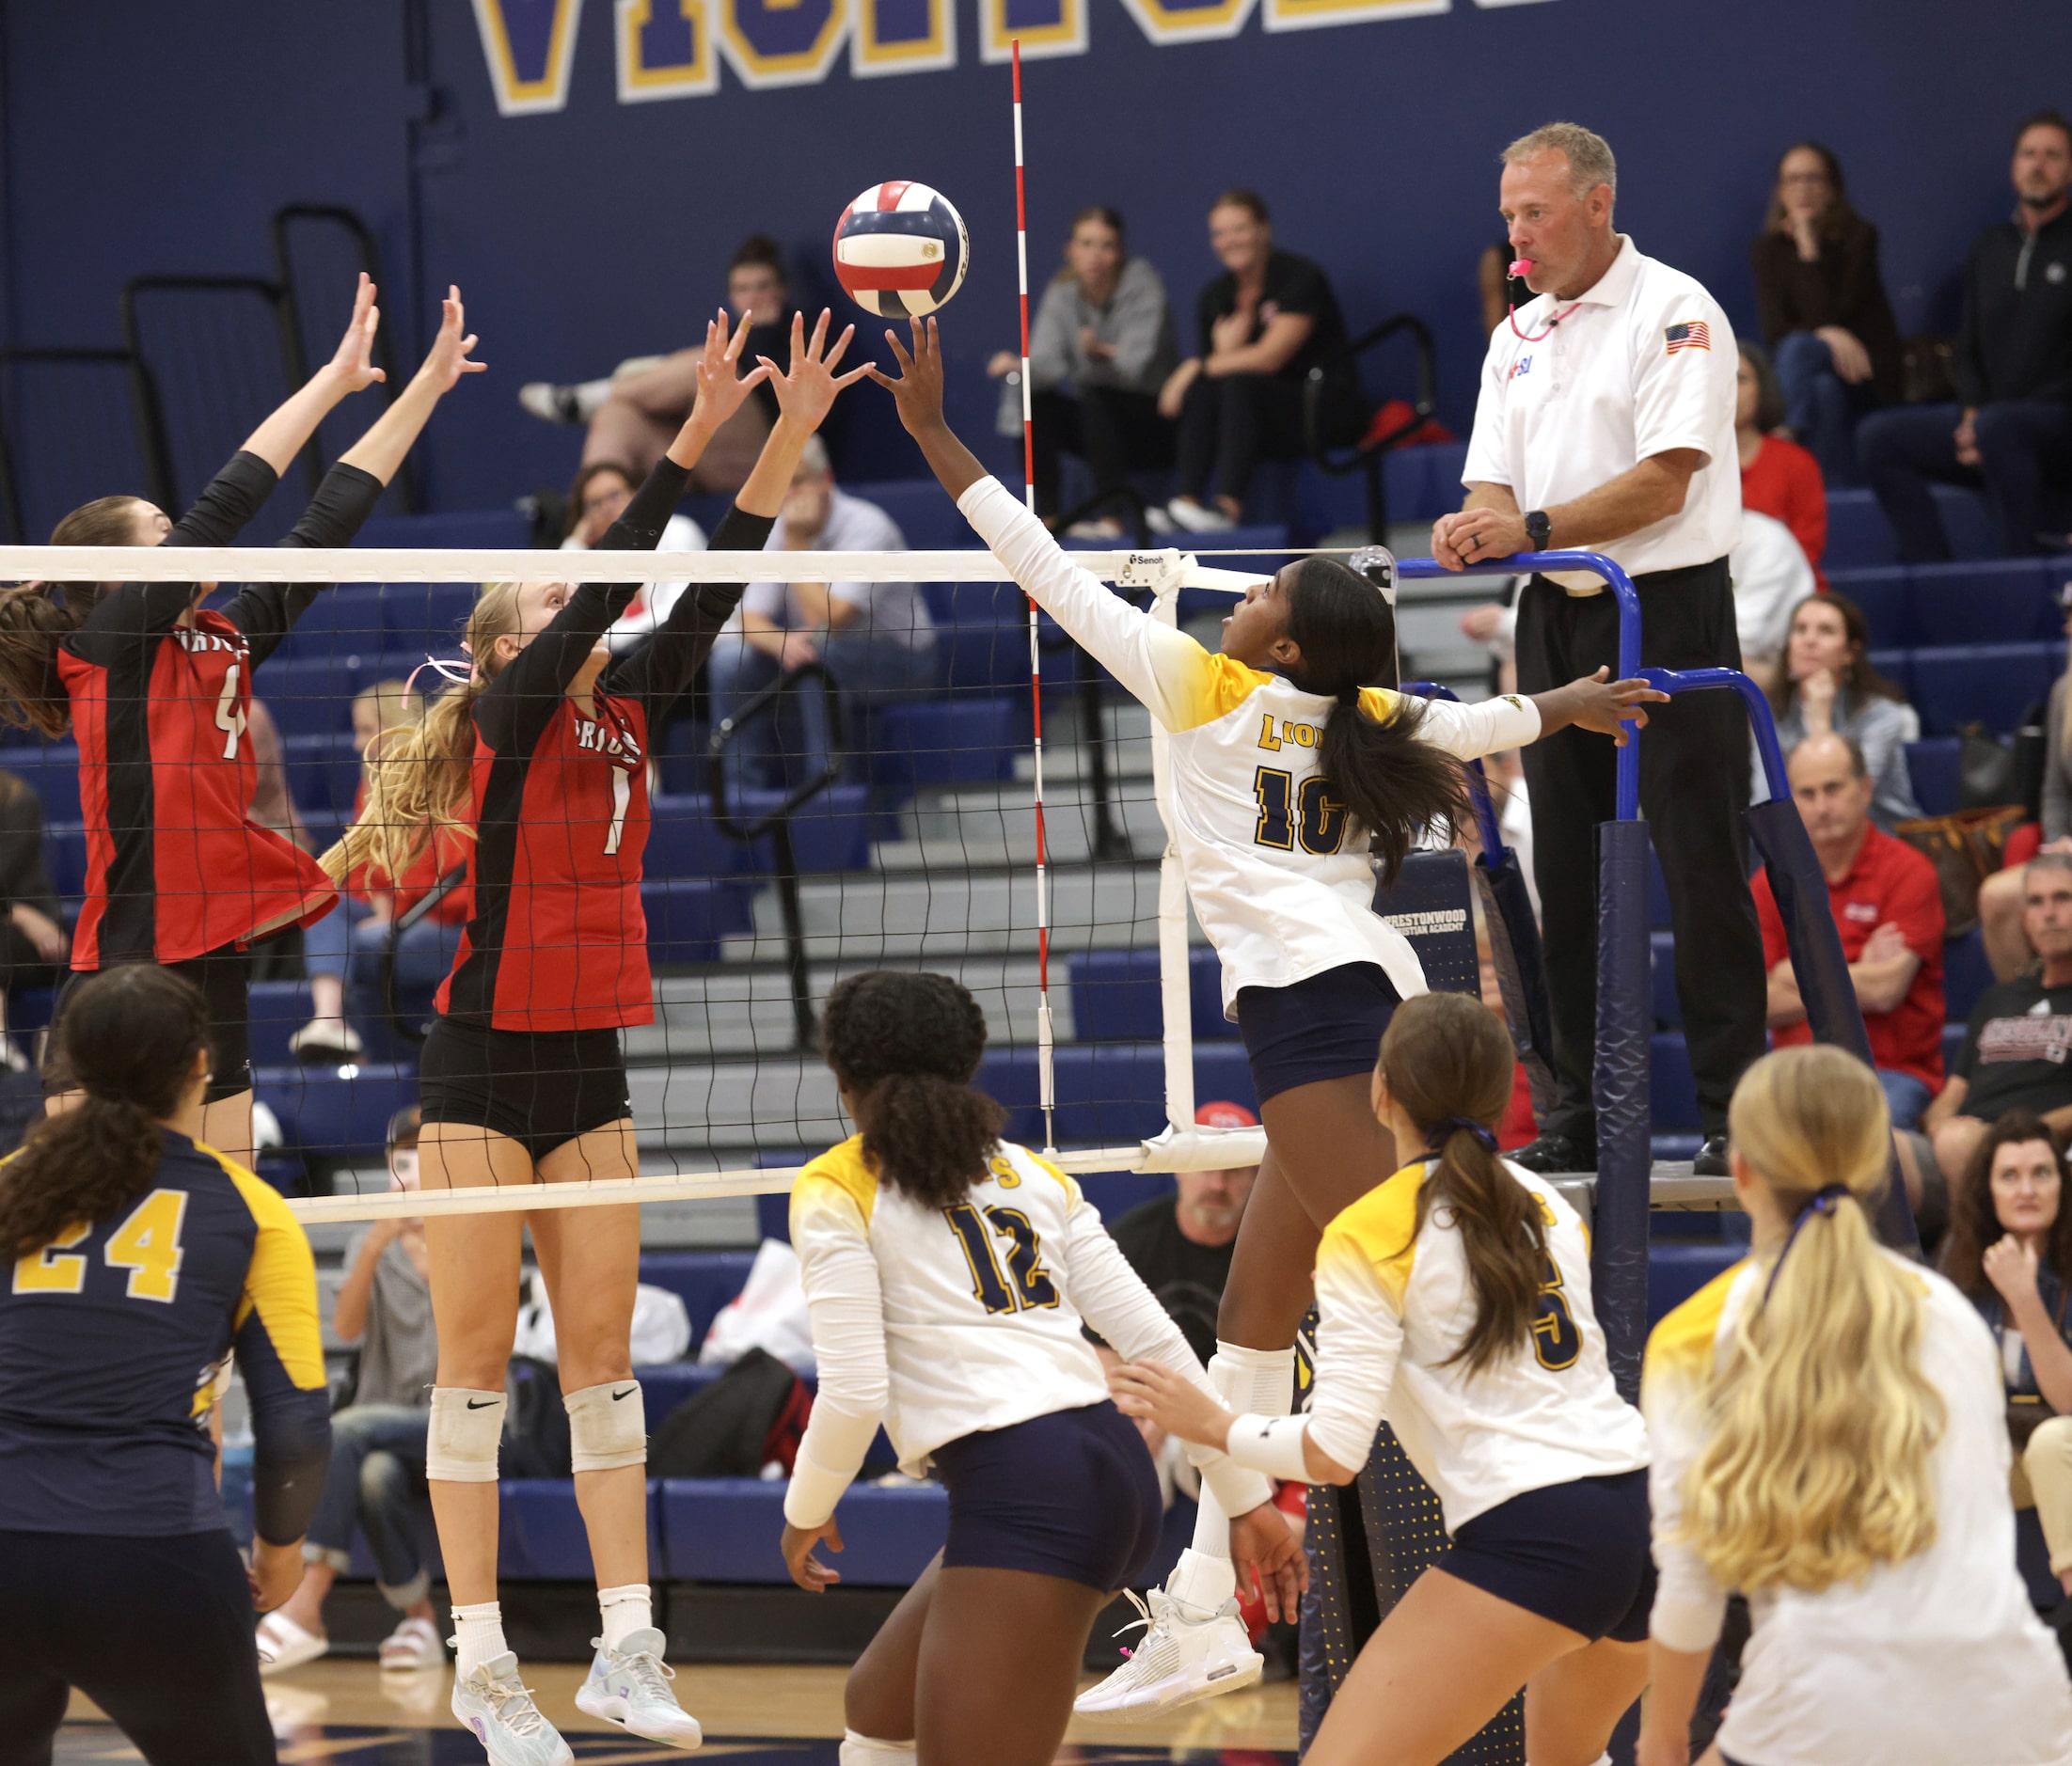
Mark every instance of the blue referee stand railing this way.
pixel 1619 1273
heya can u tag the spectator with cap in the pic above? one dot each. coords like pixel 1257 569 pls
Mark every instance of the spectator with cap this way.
pixel 1607 423
pixel 1888 911
pixel 2011 430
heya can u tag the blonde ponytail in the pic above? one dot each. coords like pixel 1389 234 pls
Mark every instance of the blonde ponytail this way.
pixel 421 774
pixel 1816 1466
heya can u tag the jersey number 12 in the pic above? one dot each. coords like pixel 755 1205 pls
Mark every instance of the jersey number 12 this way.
pixel 1025 1286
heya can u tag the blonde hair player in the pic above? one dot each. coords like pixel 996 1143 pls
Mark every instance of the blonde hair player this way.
pixel 948 1271
pixel 1455 1300
pixel 1829 1441
pixel 1292 779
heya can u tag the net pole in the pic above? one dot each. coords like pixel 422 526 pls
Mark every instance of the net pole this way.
pixel 1046 1038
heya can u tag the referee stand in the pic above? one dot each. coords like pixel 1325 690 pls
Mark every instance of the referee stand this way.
pixel 1368 1541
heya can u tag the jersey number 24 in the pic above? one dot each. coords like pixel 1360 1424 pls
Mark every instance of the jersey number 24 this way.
pixel 147 1244
pixel 1024 1285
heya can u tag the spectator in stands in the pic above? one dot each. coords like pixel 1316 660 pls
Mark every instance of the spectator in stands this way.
pixel 1888 911
pixel 1778 478
pixel 1822 305
pixel 600 494
pixel 376 1478
pixel 635 414
pixel 2011 427
pixel 1100 349
pixel 876 639
pixel 1771 578
pixel 33 945
pixel 2016 1046
pixel 1829 686
pixel 2001 895
pixel 2010 1250
pixel 1261 327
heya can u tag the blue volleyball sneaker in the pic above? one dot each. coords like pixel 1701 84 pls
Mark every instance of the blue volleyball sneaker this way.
pixel 497 1706
pixel 629 1686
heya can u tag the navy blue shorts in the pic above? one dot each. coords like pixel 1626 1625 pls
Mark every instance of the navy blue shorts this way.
pixel 1576 1553
pixel 1324 1028
pixel 1071 1494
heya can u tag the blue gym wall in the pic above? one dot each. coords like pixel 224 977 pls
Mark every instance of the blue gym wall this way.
pixel 143 136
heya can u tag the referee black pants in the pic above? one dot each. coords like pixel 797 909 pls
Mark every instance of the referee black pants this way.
pixel 156 1631
pixel 1694 787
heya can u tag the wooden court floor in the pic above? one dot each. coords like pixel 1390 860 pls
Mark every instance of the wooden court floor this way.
pixel 347 1712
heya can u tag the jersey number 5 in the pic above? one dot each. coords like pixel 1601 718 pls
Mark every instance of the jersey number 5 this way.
pixel 1025 1286
pixel 147 1244
pixel 1285 812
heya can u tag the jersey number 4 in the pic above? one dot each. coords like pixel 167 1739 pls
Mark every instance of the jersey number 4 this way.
pixel 1311 812
pixel 230 715
pixel 147 1244
pixel 1025 1286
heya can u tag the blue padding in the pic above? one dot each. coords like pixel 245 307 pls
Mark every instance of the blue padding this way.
pixel 1662 962
pixel 967 739
pixel 540 1534
pixel 279 1009
pixel 312 694
pixel 1116 996
pixel 51 771
pixel 1676 1271
pixel 1673 1096
pixel 2000 601
pixel 1658 892
pixel 1932 764
pixel 1885 594
pixel 1989 684
pixel 727 1529
pixel 687 916
pixel 465 527
pixel 704 1281
pixel 337 1113
pixel 1965 975
pixel 1109 1096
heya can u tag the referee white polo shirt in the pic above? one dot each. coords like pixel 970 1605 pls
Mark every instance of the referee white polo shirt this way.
pixel 1644 363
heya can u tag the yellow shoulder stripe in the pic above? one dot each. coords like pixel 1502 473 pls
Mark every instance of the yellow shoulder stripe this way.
pixel 1221 687
pixel 1381 1228
pixel 1073 1194
pixel 845 1171
pixel 281 1282
pixel 1684 1342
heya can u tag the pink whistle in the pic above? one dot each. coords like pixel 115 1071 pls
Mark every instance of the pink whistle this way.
pixel 1521 266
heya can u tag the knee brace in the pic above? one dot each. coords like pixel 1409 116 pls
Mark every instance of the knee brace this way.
pixel 607 1427
pixel 460 1448
pixel 862 1750
pixel 1257 1382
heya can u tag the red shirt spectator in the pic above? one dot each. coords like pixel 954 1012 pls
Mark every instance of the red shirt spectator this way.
pixel 1784 481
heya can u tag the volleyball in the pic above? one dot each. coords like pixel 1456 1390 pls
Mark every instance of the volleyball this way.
pixel 901 250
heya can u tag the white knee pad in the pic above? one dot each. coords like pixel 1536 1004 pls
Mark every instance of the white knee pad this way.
pixel 607 1427
pixel 862 1750
pixel 461 1446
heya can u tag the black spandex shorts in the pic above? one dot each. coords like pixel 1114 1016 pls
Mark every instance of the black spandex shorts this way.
pixel 541 1088
pixel 1576 1553
pixel 1324 1028
pixel 156 1630
pixel 1071 1494
pixel 225 977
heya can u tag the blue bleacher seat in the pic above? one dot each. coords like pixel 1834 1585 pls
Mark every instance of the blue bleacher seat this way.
pixel 1111 1094
pixel 337 1111
pixel 726 1530
pixel 964 739
pixel 1932 764
pixel 468 527
pixel 1965 975
pixel 928 520
pixel 1885 594
pixel 1116 1192
pixel 1993 684
pixel 1676 1271
pixel 832 832
pixel 1116 996
pixel 1896 666
pixel 418 617
pixel 1673 1096
pixel 665 1385
pixel 65 857
pixel 344 621
pixel 277 1010
pixel 324 773
pixel 1859 535
pixel 540 1532
pixel 704 1281
pixel 311 693
pixel 683 841
pixel 687 916
pixel 1662 970
pixel 1953 1045
pixel 1998 601
pixel 982 634
pixel 51 771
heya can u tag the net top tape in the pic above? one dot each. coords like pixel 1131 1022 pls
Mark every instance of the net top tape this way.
pixel 240 564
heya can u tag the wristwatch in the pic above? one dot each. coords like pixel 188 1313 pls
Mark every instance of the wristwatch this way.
pixel 1539 530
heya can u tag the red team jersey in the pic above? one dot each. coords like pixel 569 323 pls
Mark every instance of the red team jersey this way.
pixel 175 866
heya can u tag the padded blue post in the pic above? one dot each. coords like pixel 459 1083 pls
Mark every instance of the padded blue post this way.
pixel 1625 1153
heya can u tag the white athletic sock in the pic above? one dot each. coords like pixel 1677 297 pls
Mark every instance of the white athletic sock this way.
pixel 862 1750
pixel 1259 1382
pixel 477 1637
pixel 625 1610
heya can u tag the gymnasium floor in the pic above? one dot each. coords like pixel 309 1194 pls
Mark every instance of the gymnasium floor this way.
pixel 348 1713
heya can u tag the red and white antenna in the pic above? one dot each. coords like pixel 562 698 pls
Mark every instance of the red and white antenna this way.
pixel 1046 1040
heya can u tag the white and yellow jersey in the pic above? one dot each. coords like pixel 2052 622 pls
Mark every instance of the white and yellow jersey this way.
pixel 1282 886
pixel 1394 1304
pixel 944 1322
pixel 1939 1660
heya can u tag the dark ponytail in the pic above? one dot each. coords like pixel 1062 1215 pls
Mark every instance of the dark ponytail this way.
pixel 127 1039
pixel 905 1047
pixel 1449 1062
pixel 33 622
pixel 1394 785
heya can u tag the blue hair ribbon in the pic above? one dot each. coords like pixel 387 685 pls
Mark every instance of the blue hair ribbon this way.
pixel 1823 1202
pixel 1436 1139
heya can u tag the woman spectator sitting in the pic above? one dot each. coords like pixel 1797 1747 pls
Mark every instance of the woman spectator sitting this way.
pixel 1263 324
pixel 1823 309
pixel 1101 349
pixel 33 945
pixel 2007 946
pixel 600 494
pixel 2010 1250
pixel 1830 685
pixel 1778 478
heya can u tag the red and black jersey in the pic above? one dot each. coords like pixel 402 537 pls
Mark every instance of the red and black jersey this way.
pixel 559 938
pixel 175 865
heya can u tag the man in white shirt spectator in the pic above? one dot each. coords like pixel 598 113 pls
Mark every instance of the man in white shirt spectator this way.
pixel 874 639
pixel 1607 423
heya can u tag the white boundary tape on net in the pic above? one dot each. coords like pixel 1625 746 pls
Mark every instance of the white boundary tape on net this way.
pixel 241 564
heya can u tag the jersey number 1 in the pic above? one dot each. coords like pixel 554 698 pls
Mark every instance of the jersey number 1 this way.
pixel 622 796
pixel 1025 1286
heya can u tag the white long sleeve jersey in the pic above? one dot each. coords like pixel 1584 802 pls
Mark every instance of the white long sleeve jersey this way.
pixel 1939 1661
pixel 944 1322
pixel 1281 885
pixel 1395 1302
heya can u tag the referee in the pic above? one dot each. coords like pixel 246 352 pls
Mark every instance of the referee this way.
pixel 1606 422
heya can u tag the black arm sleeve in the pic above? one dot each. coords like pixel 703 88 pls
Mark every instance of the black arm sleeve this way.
pixel 514 710
pixel 264 611
pixel 659 670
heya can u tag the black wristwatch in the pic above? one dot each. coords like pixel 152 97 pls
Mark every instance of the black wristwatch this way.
pixel 1539 529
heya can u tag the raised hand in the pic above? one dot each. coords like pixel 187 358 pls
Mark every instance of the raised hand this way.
pixel 720 393
pixel 807 390
pixel 353 361
pixel 918 391
pixel 449 358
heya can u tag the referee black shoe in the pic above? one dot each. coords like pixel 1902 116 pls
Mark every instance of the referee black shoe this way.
pixel 1552 1154
pixel 1712 1158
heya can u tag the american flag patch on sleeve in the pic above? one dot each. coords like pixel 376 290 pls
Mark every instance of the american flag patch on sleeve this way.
pixel 1698 335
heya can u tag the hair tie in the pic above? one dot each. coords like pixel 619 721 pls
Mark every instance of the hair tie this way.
pixel 1435 1141
pixel 1822 1201
pixel 457 674
pixel 1349 697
